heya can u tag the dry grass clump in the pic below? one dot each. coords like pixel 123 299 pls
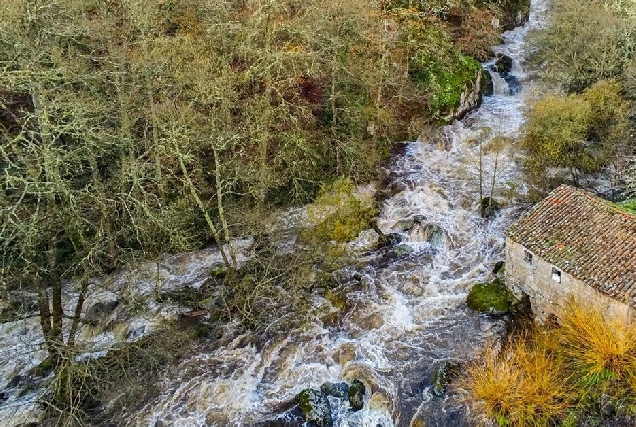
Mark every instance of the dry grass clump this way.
pixel 579 367
pixel 522 386
pixel 596 346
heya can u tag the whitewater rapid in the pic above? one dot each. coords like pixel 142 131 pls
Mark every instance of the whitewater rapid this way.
pixel 407 312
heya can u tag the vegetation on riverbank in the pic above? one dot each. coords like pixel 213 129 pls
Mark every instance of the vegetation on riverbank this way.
pixel 138 128
pixel 587 124
pixel 580 371
pixel 583 370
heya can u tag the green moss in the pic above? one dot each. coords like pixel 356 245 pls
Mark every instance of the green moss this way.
pixel 340 215
pixel 628 206
pixel 571 420
pixel 218 271
pixel 304 401
pixel 491 298
pixel 338 299
pixel 441 70
pixel 315 408
pixel 502 421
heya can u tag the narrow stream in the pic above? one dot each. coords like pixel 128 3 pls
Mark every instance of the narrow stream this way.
pixel 408 311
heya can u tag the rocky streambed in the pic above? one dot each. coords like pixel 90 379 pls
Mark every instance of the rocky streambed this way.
pixel 399 333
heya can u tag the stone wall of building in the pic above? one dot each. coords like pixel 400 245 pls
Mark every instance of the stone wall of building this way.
pixel 548 296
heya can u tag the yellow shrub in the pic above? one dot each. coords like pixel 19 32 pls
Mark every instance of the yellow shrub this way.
pixel 524 386
pixel 596 345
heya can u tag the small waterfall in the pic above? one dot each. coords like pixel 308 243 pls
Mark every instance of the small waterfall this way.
pixel 500 85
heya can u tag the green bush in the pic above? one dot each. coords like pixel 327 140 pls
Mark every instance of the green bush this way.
pixel 440 69
pixel 580 133
pixel 338 214
pixel 586 41
pixel 555 136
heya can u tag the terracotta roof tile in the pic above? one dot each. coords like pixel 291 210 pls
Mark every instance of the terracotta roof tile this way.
pixel 585 236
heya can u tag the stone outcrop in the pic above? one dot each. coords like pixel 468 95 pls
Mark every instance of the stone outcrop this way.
pixel 315 407
pixel 490 298
pixel 470 99
pixel 503 63
pixel 356 395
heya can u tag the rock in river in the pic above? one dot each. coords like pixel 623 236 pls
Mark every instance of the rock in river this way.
pixel 491 298
pixel 315 407
pixel 356 395
pixel 340 390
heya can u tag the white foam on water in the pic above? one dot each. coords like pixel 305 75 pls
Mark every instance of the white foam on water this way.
pixel 408 313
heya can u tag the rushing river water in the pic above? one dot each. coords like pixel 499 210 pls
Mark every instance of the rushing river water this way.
pixel 408 312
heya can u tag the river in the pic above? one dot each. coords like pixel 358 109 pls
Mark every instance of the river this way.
pixel 408 311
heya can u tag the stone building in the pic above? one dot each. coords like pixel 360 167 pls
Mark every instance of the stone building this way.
pixel 574 245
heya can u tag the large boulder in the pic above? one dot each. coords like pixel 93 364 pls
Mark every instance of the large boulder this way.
pixel 487 85
pixel 404 225
pixel 491 298
pixel 435 235
pixel 340 390
pixel 403 250
pixel 315 407
pixel 100 311
pixel 470 98
pixel 503 63
pixel 356 395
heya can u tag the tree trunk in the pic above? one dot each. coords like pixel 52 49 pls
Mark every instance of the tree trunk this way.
pixel 78 311
pixel 45 317
pixel 199 202
pixel 334 115
pixel 219 200
pixel 481 179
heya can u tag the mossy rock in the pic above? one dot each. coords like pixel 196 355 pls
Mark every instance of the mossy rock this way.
pixel 403 250
pixel 444 374
pixel 357 390
pixel 491 298
pixel 339 390
pixel 338 299
pixel 337 214
pixel 315 407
